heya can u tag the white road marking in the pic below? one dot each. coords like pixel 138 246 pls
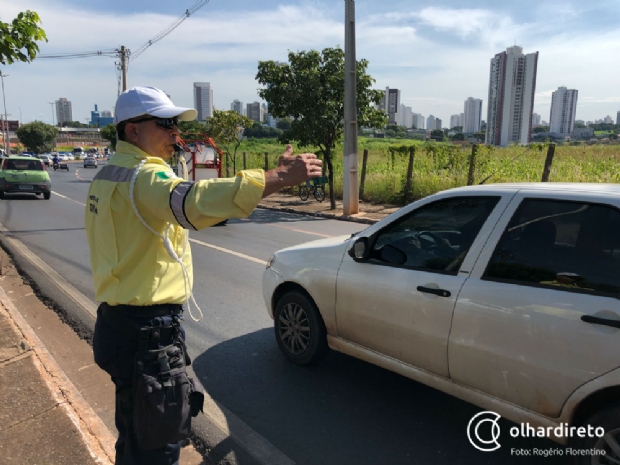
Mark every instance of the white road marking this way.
pixel 302 231
pixel 64 197
pixel 231 252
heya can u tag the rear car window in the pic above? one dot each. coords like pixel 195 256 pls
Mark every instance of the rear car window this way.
pixel 23 165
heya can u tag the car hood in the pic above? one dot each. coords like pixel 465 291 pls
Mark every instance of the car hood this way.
pixel 25 176
pixel 318 244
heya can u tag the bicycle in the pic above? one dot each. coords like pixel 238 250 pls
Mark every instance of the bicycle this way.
pixel 316 186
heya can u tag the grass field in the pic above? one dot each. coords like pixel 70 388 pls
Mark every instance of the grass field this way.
pixel 442 166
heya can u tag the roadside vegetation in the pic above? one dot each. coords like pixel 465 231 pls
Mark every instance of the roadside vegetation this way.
pixel 439 166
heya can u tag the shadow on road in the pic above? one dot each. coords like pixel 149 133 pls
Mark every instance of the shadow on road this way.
pixel 345 411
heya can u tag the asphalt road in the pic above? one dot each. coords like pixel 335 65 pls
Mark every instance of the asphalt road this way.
pixel 342 411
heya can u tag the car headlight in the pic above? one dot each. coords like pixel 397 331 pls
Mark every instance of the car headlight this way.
pixel 271 260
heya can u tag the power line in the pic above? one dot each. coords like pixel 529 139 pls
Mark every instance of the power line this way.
pixel 171 27
pixel 67 56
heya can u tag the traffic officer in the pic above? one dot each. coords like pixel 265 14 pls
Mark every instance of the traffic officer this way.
pixel 138 215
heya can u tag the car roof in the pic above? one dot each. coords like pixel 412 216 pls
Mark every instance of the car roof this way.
pixel 613 189
pixel 17 157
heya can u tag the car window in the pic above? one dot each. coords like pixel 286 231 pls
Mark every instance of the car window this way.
pixel 564 245
pixel 435 237
pixel 23 165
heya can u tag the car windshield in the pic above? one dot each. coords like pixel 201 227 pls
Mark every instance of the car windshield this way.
pixel 23 165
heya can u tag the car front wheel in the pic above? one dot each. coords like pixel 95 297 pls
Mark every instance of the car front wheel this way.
pixel 299 329
pixel 601 450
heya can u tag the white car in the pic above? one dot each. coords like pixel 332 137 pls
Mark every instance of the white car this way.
pixel 506 296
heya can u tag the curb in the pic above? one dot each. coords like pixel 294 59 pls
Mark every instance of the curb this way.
pixel 94 434
pixel 331 216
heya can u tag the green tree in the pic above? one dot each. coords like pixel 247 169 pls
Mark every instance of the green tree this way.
pixel 310 89
pixel 438 135
pixel 18 39
pixel 37 137
pixel 226 128
pixel 539 129
pixel 192 127
pixel 284 124
pixel 109 133
pixel 458 136
pixel 73 124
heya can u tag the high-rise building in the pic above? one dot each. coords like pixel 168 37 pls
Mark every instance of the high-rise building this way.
pixel 391 104
pixel 535 120
pixel 455 120
pixel 438 123
pixel 430 123
pixel 608 120
pixel 405 116
pixel 237 106
pixel 203 100
pixel 253 111
pixel 512 85
pixel 106 114
pixel 418 121
pixel 618 118
pixel 563 110
pixel 472 115
pixel 63 111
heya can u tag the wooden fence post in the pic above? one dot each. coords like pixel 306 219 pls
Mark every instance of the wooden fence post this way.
pixel 363 180
pixel 472 165
pixel 266 161
pixel 244 162
pixel 548 162
pixel 409 183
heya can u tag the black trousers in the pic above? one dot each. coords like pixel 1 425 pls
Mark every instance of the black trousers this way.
pixel 115 353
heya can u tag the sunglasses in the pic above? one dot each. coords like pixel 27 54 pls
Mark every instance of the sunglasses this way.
pixel 166 123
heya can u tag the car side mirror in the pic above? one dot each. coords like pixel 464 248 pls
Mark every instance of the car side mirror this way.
pixel 360 250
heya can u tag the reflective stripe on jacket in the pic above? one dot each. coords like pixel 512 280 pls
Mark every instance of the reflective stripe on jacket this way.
pixel 129 263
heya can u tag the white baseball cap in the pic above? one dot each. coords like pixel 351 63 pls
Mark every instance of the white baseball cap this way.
pixel 139 101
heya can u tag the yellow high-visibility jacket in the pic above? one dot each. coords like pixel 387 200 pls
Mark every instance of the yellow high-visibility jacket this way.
pixel 129 263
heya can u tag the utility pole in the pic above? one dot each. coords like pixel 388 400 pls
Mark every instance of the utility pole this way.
pixel 350 201
pixel 124 52
pixel 5 126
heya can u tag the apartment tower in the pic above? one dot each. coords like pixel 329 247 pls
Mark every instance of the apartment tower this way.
pixel 203 100
pixel 563 110
pixel 63 111
pixel 512 85
pixel 472 115
pixel 237 106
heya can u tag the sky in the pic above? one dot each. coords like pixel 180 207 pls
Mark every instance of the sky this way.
pixel 436 52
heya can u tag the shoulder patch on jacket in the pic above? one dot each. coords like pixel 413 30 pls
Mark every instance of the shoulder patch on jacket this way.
pixel 165 175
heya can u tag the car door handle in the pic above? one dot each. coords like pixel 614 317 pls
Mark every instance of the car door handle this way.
pixel 601 321
pixel 432 290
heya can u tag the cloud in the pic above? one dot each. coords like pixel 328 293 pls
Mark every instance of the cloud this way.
pixel 437 56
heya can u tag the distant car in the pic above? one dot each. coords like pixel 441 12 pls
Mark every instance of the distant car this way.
pixel 24 175
pixel 70 156
pixel 505 296
pixel 46 159
pixel 90 162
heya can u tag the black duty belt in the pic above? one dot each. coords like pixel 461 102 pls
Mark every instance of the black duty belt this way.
pixel 117 317
pixel 147 311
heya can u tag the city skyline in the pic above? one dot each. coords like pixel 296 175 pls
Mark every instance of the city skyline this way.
pixel 435 55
